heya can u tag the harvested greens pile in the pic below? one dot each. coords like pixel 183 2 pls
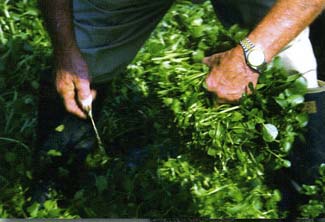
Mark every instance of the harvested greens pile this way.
pixel 175 152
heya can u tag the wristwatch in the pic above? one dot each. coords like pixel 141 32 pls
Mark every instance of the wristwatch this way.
pixel 254 55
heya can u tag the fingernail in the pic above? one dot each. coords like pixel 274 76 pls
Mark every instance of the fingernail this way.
pixel 86 103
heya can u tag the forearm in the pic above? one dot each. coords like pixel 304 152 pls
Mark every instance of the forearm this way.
pixel 283 23
pixel 58 19
pixel 71 72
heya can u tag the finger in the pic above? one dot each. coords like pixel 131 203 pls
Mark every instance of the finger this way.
pixel 64 84
pixel 86 103
pixel 93 94
pixel 84 94
pixel 212 60
pixel 206 60
pixel 210 83
pixel 228 100
pixel 222 101
pixel 82 88
pixel 224 95
pixel 71 105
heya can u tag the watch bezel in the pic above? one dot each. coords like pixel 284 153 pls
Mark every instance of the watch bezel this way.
pixel 251 60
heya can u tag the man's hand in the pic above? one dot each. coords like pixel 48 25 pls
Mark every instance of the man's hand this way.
pixel 72 78
pixel 230 75
pixel 73 82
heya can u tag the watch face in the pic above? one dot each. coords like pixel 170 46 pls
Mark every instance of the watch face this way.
pixel 256 57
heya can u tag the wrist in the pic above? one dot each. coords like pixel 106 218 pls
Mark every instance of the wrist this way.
pixel 66 49
pixel 267 46
pixel 73 62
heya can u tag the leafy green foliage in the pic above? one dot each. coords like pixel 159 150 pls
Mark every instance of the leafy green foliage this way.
pixel 224 151
pixel 225 148
pixel 24 52
pixel 315 206
pixel 174 152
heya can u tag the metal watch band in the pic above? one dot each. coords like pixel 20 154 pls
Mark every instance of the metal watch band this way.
pixel 248 48
pixel 246 44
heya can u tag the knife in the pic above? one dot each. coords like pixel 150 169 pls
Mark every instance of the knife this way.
pixel 86 105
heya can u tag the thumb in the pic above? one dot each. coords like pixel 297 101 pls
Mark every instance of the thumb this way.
pixel 212 60
pixel 85 95
pixel 93 94
pixel 86 103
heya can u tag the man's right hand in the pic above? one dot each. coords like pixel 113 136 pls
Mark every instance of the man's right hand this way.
pixel 73 81
pixel 72 78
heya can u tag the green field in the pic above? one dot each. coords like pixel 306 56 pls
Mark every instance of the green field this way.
pixel 172 150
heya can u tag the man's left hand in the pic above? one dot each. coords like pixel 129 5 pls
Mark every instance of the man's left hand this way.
pixel 230 75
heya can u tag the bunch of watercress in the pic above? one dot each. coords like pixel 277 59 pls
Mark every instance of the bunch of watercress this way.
pixel 227 150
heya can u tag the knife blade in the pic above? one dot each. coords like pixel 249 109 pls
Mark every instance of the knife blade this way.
pixel 87 106
pixel 99 140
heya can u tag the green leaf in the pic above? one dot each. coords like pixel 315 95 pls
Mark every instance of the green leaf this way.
pixel 197 31
pixel 197 22
pixel 322 169
pixel 310 189
pixel 198 55
pixel 212 152
pixel 237 116
pixel 293 77
pixel 282 101
pixel 295 100
pixel 260 86
pixel 33 209
pixel 286 163
pixel 50 204
pixel 270 132
pixel 29 174
pixel 286 145
pixel 53 152
pixel 300 86
pixel 276 195
pixel 59 128
pixel 302 119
